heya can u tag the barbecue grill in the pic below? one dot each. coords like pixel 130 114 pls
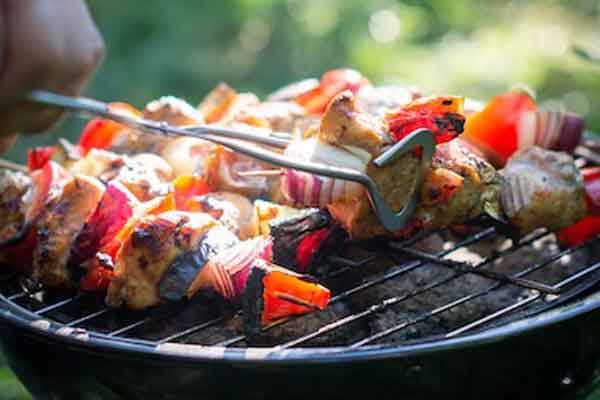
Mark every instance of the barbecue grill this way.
pixel 538 341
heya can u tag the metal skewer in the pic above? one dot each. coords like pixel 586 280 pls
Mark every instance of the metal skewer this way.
pixel 237 140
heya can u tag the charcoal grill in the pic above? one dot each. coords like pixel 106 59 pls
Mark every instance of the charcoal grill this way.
pixel 542 343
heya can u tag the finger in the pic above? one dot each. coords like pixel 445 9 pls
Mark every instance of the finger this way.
pixel 28 118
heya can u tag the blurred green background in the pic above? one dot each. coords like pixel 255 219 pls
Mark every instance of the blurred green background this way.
pixel 467 47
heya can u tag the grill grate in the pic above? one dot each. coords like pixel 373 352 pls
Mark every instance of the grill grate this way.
pixel 551 279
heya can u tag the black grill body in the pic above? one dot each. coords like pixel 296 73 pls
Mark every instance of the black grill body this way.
pixel 541 344
pixel 545 357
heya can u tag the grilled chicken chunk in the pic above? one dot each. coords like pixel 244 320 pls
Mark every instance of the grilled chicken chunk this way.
pixel 223 104
pixel 13 207
pixel 173 111
pixel 59 227
pixel 460 186
pixel 542 188
pixel 234 211
pixel 143 174
pixel 162 256
pixel 343 124
pixel 169 109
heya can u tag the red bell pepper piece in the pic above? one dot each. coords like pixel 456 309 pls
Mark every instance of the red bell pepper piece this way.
pixel 443 115
pixel 495 129
pixel 37 157
pixel 591 179
pixel 100 133
pixel 100 271
pixel 308 246
pixel 332 83
pixel 113 212
pixel 580 232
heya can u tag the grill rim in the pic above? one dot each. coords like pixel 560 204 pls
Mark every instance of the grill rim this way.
pixel 94 342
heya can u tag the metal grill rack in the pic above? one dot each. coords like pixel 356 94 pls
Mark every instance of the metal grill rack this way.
pixel 80 311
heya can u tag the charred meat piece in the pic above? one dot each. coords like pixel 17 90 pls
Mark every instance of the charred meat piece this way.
pixel 343 124
pixel 59 227
pixel 234 211
pixel 542 188
pixel 146 256
pixel 300 242
pixel 169 109
pixel 173 111
pixel 395 182
pixel 144 174
pixel 223 104
pixel 13 187
pixel 460 186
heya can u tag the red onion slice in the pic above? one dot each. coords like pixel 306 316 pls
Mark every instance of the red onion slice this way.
pixel 308 190
pixel 552 130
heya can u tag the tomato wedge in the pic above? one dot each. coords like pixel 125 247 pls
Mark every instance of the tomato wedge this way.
pixel 495 129
pixel 100 133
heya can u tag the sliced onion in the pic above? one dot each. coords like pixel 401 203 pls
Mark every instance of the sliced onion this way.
pixel 228 271
pixel 304 189
pixel 553 130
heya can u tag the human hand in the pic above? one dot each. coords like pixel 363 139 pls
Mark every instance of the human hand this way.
pixel 44 44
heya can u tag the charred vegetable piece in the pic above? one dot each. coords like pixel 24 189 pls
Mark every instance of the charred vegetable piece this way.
pixel 233 210
pixel 443 115
pixel 300 242
pixel 332 83
pixel 227 271
pixel 146 255
pixel 273 293
pixel 59 227
pixel 542 188
pixel 175 283
pixel 113 212
pixel 101 133
pixel 14 246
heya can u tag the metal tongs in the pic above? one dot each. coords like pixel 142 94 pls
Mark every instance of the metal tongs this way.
pixel 230 138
